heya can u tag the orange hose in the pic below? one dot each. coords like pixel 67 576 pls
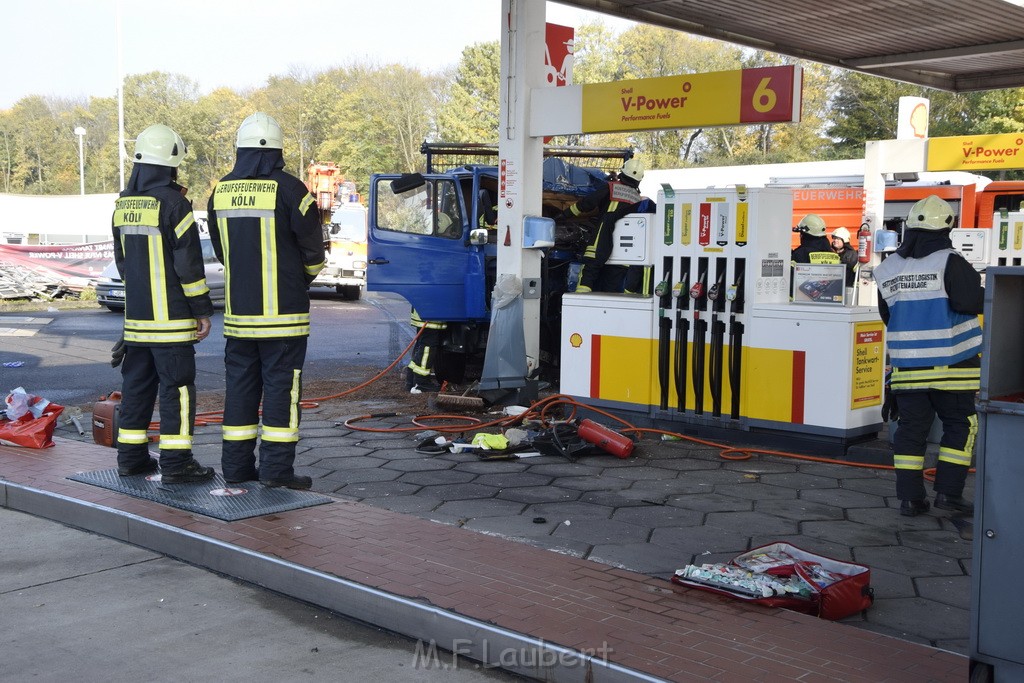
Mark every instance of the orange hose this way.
pixel 217 416
pixel 540 410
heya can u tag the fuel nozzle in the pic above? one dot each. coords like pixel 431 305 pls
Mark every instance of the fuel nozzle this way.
pixel 678 288
pixel 716 292
pixel 735 293
pixel 698 292
pixel 662 288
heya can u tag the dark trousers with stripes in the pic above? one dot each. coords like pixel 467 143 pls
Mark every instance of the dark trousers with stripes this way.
pixel 149 372
pixel 917 411
pixel 271 370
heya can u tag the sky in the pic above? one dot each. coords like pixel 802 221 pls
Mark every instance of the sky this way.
pixel 68 48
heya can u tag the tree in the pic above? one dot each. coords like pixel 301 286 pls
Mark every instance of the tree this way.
pixel 381 121
pixel 471 108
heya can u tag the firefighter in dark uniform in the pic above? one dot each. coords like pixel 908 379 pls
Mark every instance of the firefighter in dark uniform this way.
pixel 931 300
pixel 167 310
pixel 610 202
pixel 419 373
pixel 814 246
pixel 265 229
pixel 847 254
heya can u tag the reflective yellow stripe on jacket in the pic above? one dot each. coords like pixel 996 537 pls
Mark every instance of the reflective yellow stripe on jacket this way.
pixel 255 199
pixel 139 218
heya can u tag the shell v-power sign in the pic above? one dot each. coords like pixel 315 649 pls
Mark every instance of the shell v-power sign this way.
pixel 722 98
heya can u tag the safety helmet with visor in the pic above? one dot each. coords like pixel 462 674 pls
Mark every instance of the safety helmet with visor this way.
pixel 261 131
pixel 931 213
pixel 160 146
pixel 812 224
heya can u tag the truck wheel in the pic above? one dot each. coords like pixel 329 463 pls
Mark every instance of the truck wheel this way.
pixel 349 292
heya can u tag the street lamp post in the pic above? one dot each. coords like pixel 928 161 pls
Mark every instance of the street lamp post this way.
pixel 80 132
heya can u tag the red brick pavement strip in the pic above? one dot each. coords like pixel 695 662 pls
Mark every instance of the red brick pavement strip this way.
pixel 650 625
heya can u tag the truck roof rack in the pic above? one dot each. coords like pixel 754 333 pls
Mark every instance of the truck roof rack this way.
pixel 446 156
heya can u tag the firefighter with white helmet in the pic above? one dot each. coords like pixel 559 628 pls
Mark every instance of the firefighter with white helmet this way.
pixel 931 299
pixel 265 229
pixel 847 254
pixel 167 310
pixel 610 202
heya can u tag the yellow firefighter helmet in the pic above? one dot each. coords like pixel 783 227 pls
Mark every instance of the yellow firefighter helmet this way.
pixel 812 224
pixel 931 213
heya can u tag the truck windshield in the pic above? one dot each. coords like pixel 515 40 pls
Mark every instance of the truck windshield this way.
pixel 349 225
pixel 430 209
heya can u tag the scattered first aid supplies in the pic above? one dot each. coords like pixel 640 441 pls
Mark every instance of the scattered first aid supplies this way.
pixel 30 420
pixel 782 575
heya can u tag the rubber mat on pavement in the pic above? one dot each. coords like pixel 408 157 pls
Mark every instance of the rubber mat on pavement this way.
pixel 213 498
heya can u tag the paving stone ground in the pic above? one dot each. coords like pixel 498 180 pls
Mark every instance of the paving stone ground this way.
pixel 668 505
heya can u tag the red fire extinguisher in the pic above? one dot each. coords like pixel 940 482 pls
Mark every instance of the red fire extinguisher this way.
pixel 864 243
pixel 606 439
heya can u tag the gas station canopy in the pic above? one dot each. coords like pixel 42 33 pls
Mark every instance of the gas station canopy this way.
pixel 945 44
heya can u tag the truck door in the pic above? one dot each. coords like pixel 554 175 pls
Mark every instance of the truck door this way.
pixel 419 247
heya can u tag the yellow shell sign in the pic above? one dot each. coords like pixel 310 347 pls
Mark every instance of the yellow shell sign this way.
pixel 723 98
pixel 976 152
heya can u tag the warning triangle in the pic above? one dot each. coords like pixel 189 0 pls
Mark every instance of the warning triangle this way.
pixel 508 236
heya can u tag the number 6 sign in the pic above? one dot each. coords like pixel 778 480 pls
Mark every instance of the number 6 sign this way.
pixel 767 95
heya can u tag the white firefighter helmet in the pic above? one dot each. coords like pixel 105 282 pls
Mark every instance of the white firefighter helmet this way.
pixel 633 168
pixel 812 224
pixel 931 213
pixel 841 233
pixel 261 131
pixel 160 146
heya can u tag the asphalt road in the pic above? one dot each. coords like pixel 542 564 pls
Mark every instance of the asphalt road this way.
pixel 82 607
pixel 64 355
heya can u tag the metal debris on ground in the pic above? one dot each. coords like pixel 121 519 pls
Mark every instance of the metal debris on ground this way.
pixel 20 282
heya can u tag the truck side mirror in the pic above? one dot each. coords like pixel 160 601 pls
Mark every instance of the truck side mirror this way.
pixel 406 182
pixel 478 237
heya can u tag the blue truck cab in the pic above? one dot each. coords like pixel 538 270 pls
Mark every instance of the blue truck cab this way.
pixel 433 240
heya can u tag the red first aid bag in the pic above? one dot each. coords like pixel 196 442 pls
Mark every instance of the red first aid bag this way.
pixel 31 432
pixel 833 589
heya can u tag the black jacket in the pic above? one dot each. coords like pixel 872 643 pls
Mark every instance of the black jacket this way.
pixel 265 229
pixel 159 257
pixel 809 245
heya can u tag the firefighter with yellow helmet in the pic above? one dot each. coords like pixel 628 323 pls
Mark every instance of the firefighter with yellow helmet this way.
pixel 167 310
pixel 814 246
pixel 610 202
pixel 931 299
pixel 265 229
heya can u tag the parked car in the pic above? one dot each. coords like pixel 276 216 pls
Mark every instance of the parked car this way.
pixel 110 287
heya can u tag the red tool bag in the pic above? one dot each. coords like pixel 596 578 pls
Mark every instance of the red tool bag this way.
pixel 782 575
pixel 31 432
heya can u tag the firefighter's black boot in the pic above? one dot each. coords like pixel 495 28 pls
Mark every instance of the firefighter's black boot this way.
pixel 913 508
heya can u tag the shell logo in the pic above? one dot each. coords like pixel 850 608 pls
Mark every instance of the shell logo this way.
pixel 576 340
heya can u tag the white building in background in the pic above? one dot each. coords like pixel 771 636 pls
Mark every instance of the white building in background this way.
pixel 55 219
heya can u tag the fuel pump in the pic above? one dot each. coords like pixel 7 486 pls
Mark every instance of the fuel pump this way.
pixel 682 330
pixel 699 295
pixel 735 295
pixel 664 293
pixel 716 294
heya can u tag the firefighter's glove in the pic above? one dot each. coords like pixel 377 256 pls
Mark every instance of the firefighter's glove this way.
pixel 890 411
pixel 117 352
